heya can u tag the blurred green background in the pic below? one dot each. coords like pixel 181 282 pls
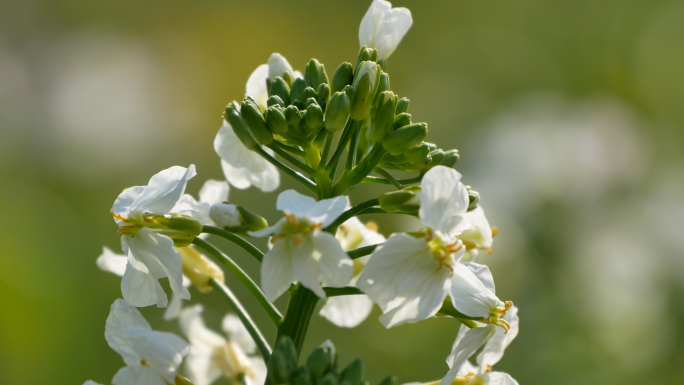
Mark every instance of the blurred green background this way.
pixel 568 116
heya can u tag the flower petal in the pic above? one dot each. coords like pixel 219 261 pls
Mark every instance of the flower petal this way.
pixel 139 287
pixel 122 316
pixel 444 201
pixel 237 333
pixel 124 202
pixel 483 274
pixel 498 378
pixel 305 265
pixel 327 210
pixel 163 352
pixel 469 295
pixel 278 66
pixel 137 375
pixel 494 349
pixel 347 311
pixel 276 270
pixel 163 191
pixel 214 191
pixel 256 85
pixel 111 261
pixel 480 231
pixel 464 348
pixel 294 203
pixel 383 27
pixel 335 267
pixel 193 327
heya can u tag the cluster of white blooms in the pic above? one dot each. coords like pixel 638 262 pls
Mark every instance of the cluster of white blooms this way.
pixel 319 249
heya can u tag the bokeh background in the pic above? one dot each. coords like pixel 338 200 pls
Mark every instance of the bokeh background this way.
pixel 568 116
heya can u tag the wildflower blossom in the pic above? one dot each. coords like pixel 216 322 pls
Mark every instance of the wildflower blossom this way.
pixel 383 27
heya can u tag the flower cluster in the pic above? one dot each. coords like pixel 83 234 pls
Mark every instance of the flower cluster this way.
pixel 330 135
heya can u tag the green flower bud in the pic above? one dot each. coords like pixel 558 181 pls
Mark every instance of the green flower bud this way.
pixel 277 369
pixel 450 158
pixel 353 372
pixel 298 103
pixel 180 380
pixel 297 90
pixel 402 105
pixel 384 115
pixel 251 113
pixel 287 347
pixel 309 93
pixel 437 156
pixel 280 88
pixel 365 85
pixel 401 120
pixel 293 115
pixel 301 376
pixel 383 85
pixel 310 101
pixel 343 77
pixel 323 92
pixel 473 198
pixel 389 380
pixel 366 54
pixel 314 116
pixel 236 219
pixel 405 138
pixel 239 126
pixel 276 121
pixel 319 362
pixel 275 100
pixel 314 74
pixel 418 154
pixel 405 201
pixel 328 379
pixel 337 111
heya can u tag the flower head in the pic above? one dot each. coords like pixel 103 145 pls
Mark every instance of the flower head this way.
pixel 301 250
pixel 383 27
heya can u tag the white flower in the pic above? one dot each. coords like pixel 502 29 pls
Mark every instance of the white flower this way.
pixel 479 236
pixel 301 250
pixel 256 84
pixel 211 193
pixel 383 27
pixel 151 255
pixel 212 356
pixel 473 294
pixel 116 263
pixel 492 352
pixel 149 354
pixel 350 310
pixel 409 277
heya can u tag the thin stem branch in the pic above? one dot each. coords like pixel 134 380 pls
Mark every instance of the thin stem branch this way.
pixel 350 213
pixel 347 132
pixel 351 154
pixel 403 182
pixel 388 176
pixel 270 309
pixel 236 239
pixel 326 148
pixel 449 309
pixel 285 155
pixel 358 173
pixel 251 327
pixel 292 173
pixel 288 148
pixel 340 291
pixel 362 251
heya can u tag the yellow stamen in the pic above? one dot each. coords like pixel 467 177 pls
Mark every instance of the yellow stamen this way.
pixel 495 230
pixel 370 225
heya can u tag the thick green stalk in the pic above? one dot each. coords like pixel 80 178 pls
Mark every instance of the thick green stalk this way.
pixel 298 316
pixel 251 327
pixel 270 309
pixel 250 248
pixel 358 173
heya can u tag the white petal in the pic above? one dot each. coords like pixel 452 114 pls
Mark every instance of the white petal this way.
pixel 498 378
pixel 383 27
pixel 469 295
pixel 466 347
pixel 200 366
pixel 327 210
pixel 121 317
pixel 276 270
pixel 187 205
pixel 214 192
pixel 353 234
pixel 347 311
pixel 335 266
pixel 137 375
pixel 494 349
pixel 237 333
pixel 483 274
pixel 156 251
pixel 173 310
pixel 242 167
pixel 294 203
pixel 480 231
pixel 91 382
pixel 163 191
pixel 305 266
pixel 259 368
pixel 405 279
pixel 112 262
pixel 139 287
pixel 193 327
pixel 256 85
pixel 444 201
pixel 162 351
pixel 278 66
pixel 124 202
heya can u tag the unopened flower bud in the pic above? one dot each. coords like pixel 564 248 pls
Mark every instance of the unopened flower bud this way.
pixel 366 54
pixel 353 372
pixel 405 201
pixel 309 93
pixel 405 138
pixel 337 111
pixel 389 380
pixel 383 85
pixel 314 116
pixel 323 92
pixel 473 198
pixel 436 157
pixel 280 88
pixel 418 154
pixel 402 105
pixel 239 126
pixel 450 158
pixel 318 362
pixel 314 74
pixel 236 219
pixel 278 370
pixel 275 120
pixel 199 269
pixel 297 90
pixel 343 77
pixel 255 122
pixel 275 100
pixel 293 115
pixel 365 85
pixel 401 120
pixel 384 116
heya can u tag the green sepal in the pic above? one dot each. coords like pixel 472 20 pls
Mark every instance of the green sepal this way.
pixel 276 120
pixel 402 105
pixel 239 126
pixel 450 158
pixel 365 54
pixel 278 370
pixel 297 90
pixel 418 154
pixel 319 362
pixel 405 138
pixel 315 74
pixel 405 201
pixel 402 119
pixel 309 93
pixel 353 372
pixel 365 86
pixel 384 115
pixel 323 92
pixel 383 85
pixel 337 111
pixel 280 88
pixel 293 115
pixel 275 100
pixel 252 115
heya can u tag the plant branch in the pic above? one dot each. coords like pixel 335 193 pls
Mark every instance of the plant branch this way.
pixel 292 173
pixel 350 213
pixel 236 239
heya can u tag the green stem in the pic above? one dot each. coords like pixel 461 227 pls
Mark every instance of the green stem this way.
pixel 351 154
pixel 251 327
pixel 448 309
pixel 351 213
pixel 270 309
pixel 347 132
pixel 298 316
pixel 292 173
pixel 375 210
pixel 236 239
pixel 388 176
pixel 326 148
pixel 403 182
pixel 288 148
pixel 291 159
pixel 365 167
pixel 339 291
pixel 362 251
